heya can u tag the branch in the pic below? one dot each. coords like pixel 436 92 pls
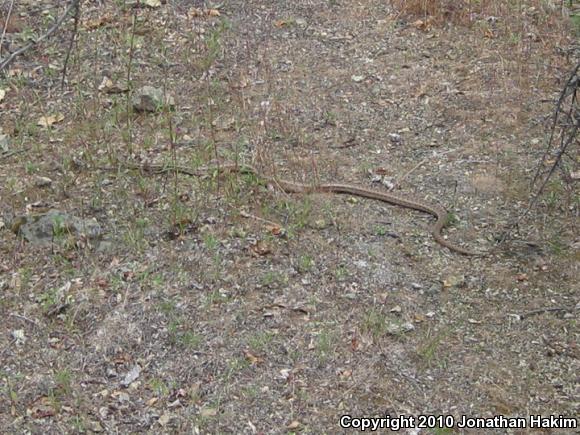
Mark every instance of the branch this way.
pixel 6 25
pixel 73 4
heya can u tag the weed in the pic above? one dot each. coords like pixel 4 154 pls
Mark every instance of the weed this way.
pixel 210 241
pixel 326 342
pixel 236 365
pixel 274 279
pixel 381 230
pixel 168 307
pixel 63 379
pixel 261 341
pixel 159 387
pixel 305 263
pixel 341 272
pixel 190 340
pixel 428 350
pixel 375 323
pixel 215 297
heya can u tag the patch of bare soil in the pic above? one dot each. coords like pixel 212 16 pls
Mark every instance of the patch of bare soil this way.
pixel 219 304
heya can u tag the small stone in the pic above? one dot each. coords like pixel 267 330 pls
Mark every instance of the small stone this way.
pixel 400 328
pixel 320 224
pixel 4 143
pixel 150 99
pixel 42 181
pixel 357 79
pixel 19 336
pixel 395 138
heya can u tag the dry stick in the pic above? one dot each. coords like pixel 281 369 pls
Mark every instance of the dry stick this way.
pixel 547 310
pixel 397 182
pixel 6 25
pixel 573 82
pixel 55 26
pixel 11 153
pixel 72 41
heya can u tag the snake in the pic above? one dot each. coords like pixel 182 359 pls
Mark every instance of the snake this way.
pixel 292 187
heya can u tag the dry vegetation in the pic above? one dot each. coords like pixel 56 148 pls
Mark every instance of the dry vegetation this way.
pixel 219 304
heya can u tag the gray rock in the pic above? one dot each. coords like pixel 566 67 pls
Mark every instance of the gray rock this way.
pixel 46 229
pixel 150 99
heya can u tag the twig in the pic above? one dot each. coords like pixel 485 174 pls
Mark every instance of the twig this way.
pixel 258 218
pixel 570 88
pixel 546 310
pixel 11 153
pixel 72 40
pixel 55 26
pixel 20 316
pixel 6 25
pixel 397 182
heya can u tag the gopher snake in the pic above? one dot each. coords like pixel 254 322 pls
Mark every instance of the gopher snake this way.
pixel 292 187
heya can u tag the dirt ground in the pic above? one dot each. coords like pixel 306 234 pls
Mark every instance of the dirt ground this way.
pixel 219 304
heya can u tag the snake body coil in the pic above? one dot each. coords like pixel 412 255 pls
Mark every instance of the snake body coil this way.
pixel 292 187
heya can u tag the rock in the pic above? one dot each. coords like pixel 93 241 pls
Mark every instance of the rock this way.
pixel 395 138
pixel 395 328
pixel 45 229
pixel 150 99
pixel 4 143
pixel 42 181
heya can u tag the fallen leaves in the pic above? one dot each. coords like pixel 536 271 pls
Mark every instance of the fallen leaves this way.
pixel 260 248
pixel 152 3
pixel 423 25
pixel 252 359
pixel 47 121
pixel 95 23
pixel 200 13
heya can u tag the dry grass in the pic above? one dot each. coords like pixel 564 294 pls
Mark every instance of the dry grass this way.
pixel 468 12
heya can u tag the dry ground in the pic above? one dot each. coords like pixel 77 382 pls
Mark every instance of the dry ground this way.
pixel 221 305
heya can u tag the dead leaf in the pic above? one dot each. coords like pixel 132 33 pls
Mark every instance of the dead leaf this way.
pixel 41 408
pixel 345 374
pixel 213 13
pixel 2 94
pixel 252 359
pixel 208 412
pixel 48 120
pixel 276 230
pixel 260 248
pixel 95 23
pixel 109 87
pixel 489 34
pixel 294 425
pixel 354 343
pixel 164 419
pixel 418 317
pixel 522 277
pixel 152 3
pixel 194 12
pixel 280 23
pixel 423 25
pixel 14 25
pixel 453 281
